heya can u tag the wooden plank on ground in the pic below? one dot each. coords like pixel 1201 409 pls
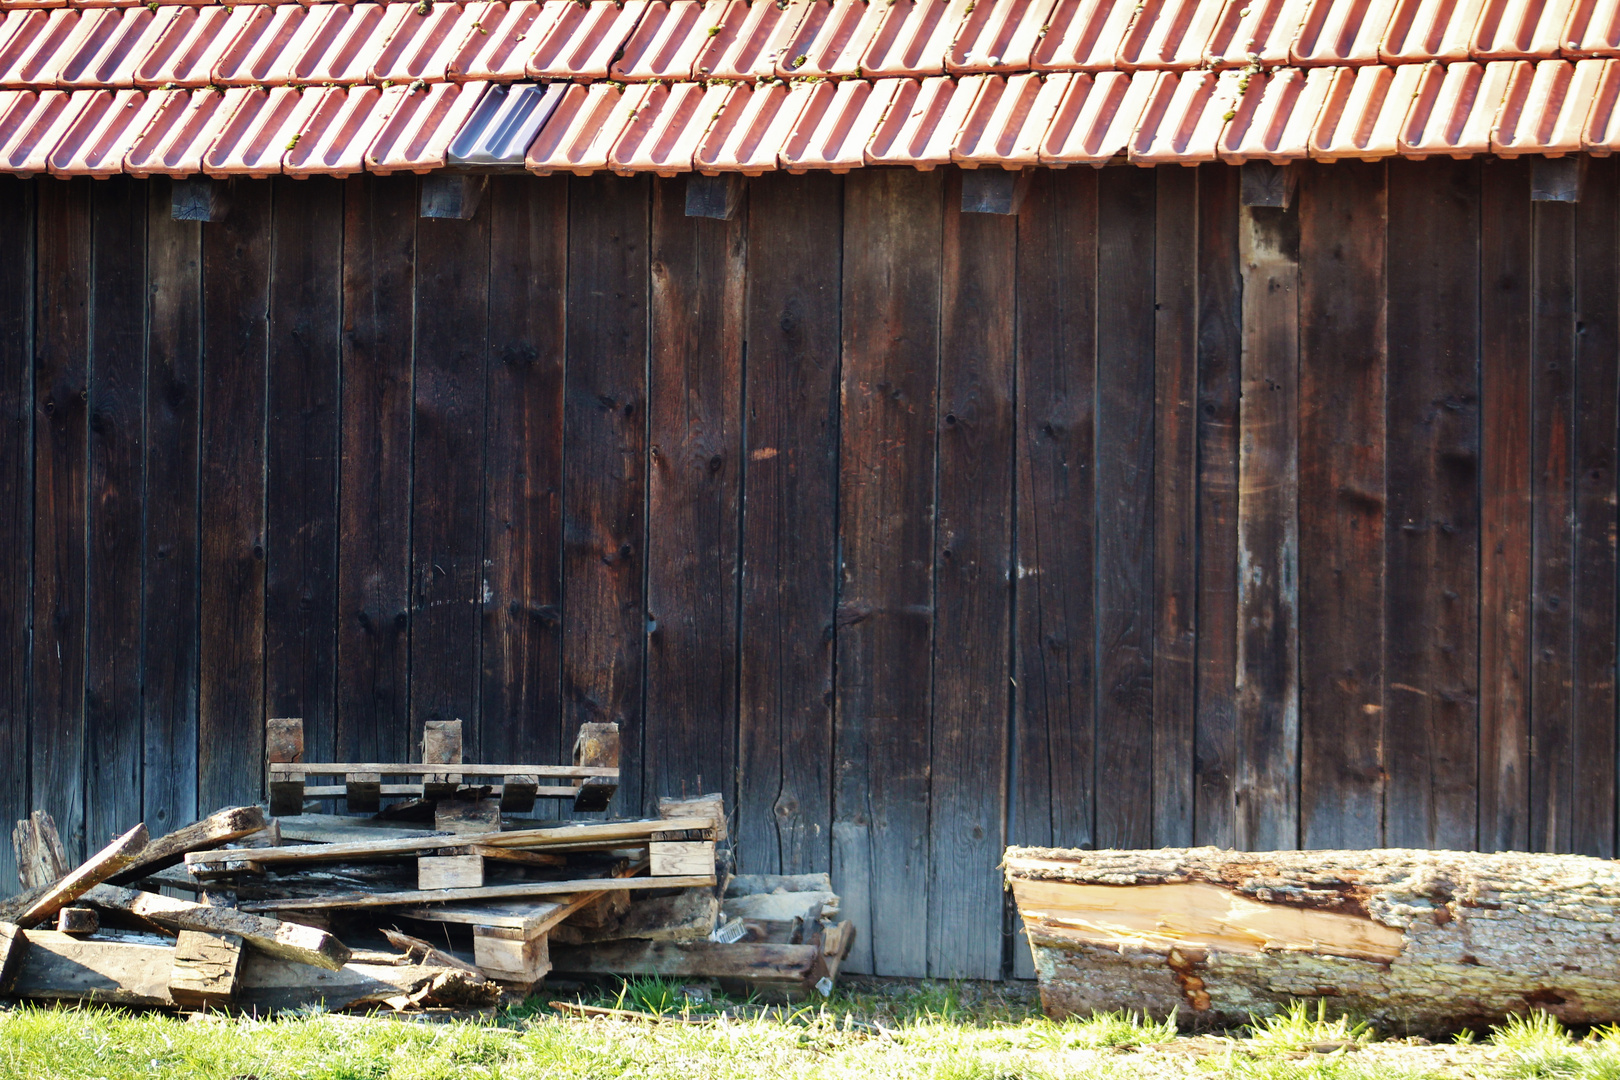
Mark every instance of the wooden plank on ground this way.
pixel 61 389
pixel 1341 505
pixel 1175 503
pixel 290 941
pixel 17 200
pixel 604 474
pixel 1552 624
pixel 972 576
pixel 36 907
pixel 789 525
pixel 114 741
pixel 451 386
pixel 1220 346
pixel 215 830
pixel 1504 611
pixel 301 458
pixel 169 641
pixel 694 482
pixel 374 557
pixel 1597 426
pixel 1053 708
pixel 892 265
pixel 1124 487
pixel 522 614
pixel 1432 535
pixel 236 273
pixel 1267 766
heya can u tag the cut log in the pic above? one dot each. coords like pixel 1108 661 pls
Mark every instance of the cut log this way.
pixel 205 969
pixel 78 920
pixel 1415 940
pixel 710 806
pixel 36 907
pixel 511 956
pixel 288 941
pixel 215 830
pixel 38 847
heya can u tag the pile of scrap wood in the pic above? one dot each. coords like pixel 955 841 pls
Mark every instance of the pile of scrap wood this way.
pixel 438 897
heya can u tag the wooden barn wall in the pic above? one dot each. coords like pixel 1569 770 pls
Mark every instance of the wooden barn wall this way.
pixel 1140 518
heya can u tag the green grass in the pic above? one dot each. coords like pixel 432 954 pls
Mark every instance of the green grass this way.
pixel 935 1031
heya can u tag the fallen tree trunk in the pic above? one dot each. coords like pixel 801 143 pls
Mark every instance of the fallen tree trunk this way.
pixel 1411 940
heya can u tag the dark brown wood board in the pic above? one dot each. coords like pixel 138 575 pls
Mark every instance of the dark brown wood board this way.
pixel 1267 661
pixel 694 490
pixel 522 611
pixel 374 521
pixel 789 539
pixel 1124 506
pixel 604 468
pixel 1175 503
pixel 116 381
pixel 1342 358
pixel 173 403
pixel 972 561
pixel 450 384
pixel 61 387
pixel 1220 346
pixel 1432 532
pixel 892 268
pixel 1552 533
pixel 236 276
pixel 1596 423
pixel 301 458
pixel 1505 507
pixel 17 201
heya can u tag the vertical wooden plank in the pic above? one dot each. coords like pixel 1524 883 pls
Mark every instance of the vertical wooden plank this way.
pixel 300 595
pixel 522 611
pixel 1267 810
pixel 1504 613
pixel 972 579
pixel 1432 531
pixel 604 467
pixel 374 518
pixel 17 200
pixel 117 383
pixel 694 475
pixel 61 386
pixel 892 266
pixel 1175 504
pixel 236 294
pixel 790 526
pixel 1597 425
pixel 1124 488
pixel 169 608
pixel 447 491
pixel 1220 346
pixel 1552 571
pixel 1341 505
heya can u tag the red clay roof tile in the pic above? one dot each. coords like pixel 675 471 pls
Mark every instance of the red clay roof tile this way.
pixel 1545 108
pixel 33 45
pixel 1169 34
pixel 1275 116
pixel 39 132
pixel 188 44
pixel 995 120
pixel 1452 110
pixel 913 37
pixel 1093 116
pixel 105 49
pixel 1083 35
pixel 1362 113
pixel 580 132
pixel 339 131
pixel 103 133
pixel 1422 30
pixel 664 131
pixel 998 36
pixel 421 124
pixel 1592 29
pixel 921 125
pixel 258 128
pixel 750 126
pixel 668 39
pixel 423 43
pixel 1341 32
pixel 1255 31
pixel 830 39
pixel 500 39
pixel 183 127
pixel 837 122
pixel 1519 29
pixel 1600 136
pixel 1185 116
pixel 581 40
pixel 751 36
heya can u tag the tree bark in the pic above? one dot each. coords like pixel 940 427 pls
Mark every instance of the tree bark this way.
pixel 1415 941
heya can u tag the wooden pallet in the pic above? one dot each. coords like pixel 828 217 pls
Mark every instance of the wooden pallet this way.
pixel 590 781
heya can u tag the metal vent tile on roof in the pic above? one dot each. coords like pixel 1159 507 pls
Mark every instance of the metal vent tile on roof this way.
pixel 506 122
pixel 1422 30
pixel 582 40
pixel 1185 116
pixel 830 39
pixel 1519 29
pixel 750 126
pixel 1169 34
pixel 1545 108
pixel 921 126
pixel 183 127
pixel 420 126
pixel 838 120
pixel 750 39
pixel 667 40
pixel 999 111
pixel 1093 116
pixel 103 133
pixel 1453 110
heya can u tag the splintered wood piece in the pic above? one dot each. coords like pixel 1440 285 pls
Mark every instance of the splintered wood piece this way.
pixel 206 968
pixel 441 745
pixel 518 793
pixel 488 892
pixel 709 806
pixel 681 858
pixel 421 952
pixel 284 744
pixel 596 745
pixel 449 872
pixel 38 847
pixel 216 830
pixel 77 920
pixel 362 791
pixel 43 904
pixel 286 940
pixel 502 955
pixel 13 943
pixel 467 817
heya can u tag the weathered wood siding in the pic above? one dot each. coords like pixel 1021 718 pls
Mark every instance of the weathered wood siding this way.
pixel 1140 519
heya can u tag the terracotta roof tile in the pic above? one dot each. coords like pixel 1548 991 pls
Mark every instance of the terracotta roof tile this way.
pixel 830 39
pixel 182 128
pixel 658 137
pixel 421 123
pixel 32 47
pixel 41 130
pixel 921 124
pixel 668 39
pixel 260 127
pixel 339 131
pixel 1094 116
pixel 750 39
pixel 750 126
pixel 581 131
pixel 998 36
pixel 506 122
pixel 1453 110
pixel 913 37
pixel 1169 34
pixel 103 133
pixel 1362 114
pixel 1000 110
pixel 1083 35
pixel 1185 116
pixel 1519 29
pixel 258 53
pixel 1593 29
pixel 1341 32
pixel 1421 30
pixel 501 39
pixel 1256 31
pixel 837 122
pixel 1545 108
pixel 189 43
pixel 1276 115
pixel 581 40
pixel 422 45
pixel 106 48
